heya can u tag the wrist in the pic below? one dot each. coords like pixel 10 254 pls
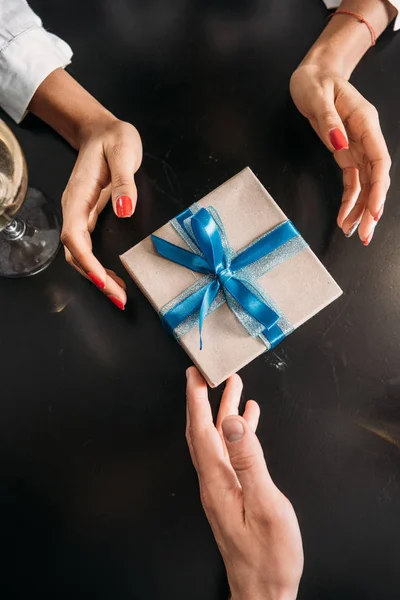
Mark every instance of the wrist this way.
pixel 324 57
pixel 67 107
pixel 345 39
pixel 261 590
pixel 91 124
pixel 263 595
pixel 340 47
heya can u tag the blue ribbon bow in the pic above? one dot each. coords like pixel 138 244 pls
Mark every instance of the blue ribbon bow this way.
pixel 215 259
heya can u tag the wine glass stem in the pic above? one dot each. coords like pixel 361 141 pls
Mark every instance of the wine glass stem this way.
pixel 15 230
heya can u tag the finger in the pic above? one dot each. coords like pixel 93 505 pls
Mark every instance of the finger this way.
pixel 377 156
pixel 327 121
pixel 105 196
pixel 355 215
pixel 360 213
pixel 252 414
pixel 79 247
pixel 197 401
pixel 351 191
pixel 70 260
pixel 380 183
pixel 247 459
pixel 230 399
pixel 123 161
pixel 205 442
pixel 79 202
pixel 366 229
pixel 189 438
pixel 118 280
pixel 84 189
pixel 367 225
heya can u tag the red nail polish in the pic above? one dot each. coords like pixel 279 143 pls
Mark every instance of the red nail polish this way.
pixel 368 240
pixel 124 206
pixel 97 281
pixel 378 216
pixel 117 302
pixel 338 139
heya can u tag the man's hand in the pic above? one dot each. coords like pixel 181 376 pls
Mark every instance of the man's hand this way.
pixel 254 524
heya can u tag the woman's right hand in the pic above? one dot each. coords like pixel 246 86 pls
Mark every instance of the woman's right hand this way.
pixel 254 524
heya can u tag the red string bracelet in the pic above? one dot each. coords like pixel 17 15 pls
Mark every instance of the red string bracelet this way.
pixel 360 19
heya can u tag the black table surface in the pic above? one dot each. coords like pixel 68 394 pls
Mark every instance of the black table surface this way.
pixel 98 497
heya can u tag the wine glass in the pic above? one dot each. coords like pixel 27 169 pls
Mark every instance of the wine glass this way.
pixel 30 224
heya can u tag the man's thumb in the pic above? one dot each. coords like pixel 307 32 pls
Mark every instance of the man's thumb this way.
pixel 246 456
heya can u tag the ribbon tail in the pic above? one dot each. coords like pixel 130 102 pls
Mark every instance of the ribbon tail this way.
pixel 242 293
pixel 178 255
pixel 208 298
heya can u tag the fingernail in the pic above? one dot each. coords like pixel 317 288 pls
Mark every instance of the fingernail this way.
pixel 97 281
pixel 233 430
pixel 117 302
pixel 338 139
pixel 352 230
pixel 187 374
pixel 368 240
pixel 378 216
pixel 124 206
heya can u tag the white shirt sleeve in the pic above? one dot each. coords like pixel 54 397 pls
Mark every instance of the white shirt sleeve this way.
pixel 28 54
pixel 396 3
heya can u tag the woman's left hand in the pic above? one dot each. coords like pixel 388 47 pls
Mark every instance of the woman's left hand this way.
pixel 109 155
pixel 349 127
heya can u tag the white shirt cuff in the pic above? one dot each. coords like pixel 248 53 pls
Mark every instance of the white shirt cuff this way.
pixel 25 62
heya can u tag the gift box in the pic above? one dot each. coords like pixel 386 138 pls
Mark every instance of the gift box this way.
pixel 230 277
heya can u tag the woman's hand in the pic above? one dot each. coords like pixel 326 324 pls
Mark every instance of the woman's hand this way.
pixel 110 152
pixel 349 127
pixel 254 525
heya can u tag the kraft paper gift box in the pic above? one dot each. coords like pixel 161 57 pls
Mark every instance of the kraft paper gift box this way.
pixel 287 285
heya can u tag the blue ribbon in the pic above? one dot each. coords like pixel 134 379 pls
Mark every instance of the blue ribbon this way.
pixel 215 259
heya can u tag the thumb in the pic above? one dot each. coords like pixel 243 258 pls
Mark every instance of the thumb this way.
pixel 247 458
pixel 123 161
pixel 330 127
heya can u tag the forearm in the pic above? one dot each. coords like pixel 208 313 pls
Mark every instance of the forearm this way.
pixel 67 107
pixel 345 40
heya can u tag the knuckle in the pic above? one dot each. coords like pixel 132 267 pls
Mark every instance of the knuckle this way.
pixel 387 161
pixel 68 256
pixel 120 180
pixel 65 237
pixel 207 503
pixel 125 129
pixel 284 512
pixel 123 134
pixel 328 115
pixel 275 513
pixel 243 461
pixel 371 111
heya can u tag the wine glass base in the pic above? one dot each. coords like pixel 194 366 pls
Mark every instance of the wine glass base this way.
pixel 36 247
